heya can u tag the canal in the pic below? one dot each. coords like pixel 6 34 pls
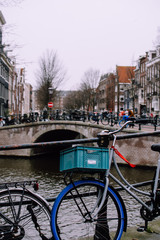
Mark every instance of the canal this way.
pixel 51 183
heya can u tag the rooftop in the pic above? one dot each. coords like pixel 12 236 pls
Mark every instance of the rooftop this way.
pixel 125 73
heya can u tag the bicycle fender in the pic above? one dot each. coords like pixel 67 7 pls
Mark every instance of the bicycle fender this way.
pixel 123 206
pixel 42 199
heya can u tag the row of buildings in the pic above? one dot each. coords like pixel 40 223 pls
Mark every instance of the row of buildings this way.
pixel 16 95
pixel 132 87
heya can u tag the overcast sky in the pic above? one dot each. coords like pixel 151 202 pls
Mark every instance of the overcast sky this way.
pixel 97 34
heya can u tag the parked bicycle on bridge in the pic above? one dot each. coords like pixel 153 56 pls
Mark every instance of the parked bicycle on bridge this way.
pixel 105 118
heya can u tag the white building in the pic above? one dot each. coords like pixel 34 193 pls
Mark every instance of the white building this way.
pixel 153 81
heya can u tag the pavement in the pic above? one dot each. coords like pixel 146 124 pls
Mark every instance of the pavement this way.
pixel 144 128
pixel 152 234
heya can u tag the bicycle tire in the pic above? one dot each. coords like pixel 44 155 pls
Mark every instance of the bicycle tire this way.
pixel 68 223
pixel 112 122
pixel 121 122
pixel 93 119
pixel 20 223
pixel 105 120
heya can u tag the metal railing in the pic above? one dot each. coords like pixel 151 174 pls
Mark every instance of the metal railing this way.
pixel 74 141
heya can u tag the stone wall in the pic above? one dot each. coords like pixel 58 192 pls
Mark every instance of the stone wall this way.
pixel 136 150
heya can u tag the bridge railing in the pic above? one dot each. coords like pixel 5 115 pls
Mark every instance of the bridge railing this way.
pixel 79 115
pixel 74 141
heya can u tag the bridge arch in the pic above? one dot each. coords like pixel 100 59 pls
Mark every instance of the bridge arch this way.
pixel 59 132
pixel 44 132
pixel 83 130
pixel 55 135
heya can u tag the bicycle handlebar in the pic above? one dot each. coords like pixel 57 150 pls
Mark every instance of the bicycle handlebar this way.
pixel 104 136
pixel 105 132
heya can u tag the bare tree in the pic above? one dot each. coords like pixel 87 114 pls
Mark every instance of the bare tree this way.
pixel 88 87
pixel 157 40
pixel 110 92
pixel 73 100
pixel 49 76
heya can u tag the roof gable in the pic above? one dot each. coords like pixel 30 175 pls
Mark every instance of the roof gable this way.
pixel 125 73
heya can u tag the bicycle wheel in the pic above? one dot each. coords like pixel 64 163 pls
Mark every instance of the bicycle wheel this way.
pixel 121 122
pixel 93 119
pixel 112 122
pixel 29 219
pixel 105 120
pixel 67 221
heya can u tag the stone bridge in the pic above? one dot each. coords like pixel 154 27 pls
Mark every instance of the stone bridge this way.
pixel 44 132
pixel 139 148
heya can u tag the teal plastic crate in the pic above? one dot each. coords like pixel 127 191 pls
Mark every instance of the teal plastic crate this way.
pixel 86 159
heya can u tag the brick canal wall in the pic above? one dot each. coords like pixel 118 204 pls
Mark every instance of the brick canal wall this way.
pixel 138 150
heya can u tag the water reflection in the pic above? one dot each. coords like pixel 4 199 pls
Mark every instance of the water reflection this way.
pixel 138 174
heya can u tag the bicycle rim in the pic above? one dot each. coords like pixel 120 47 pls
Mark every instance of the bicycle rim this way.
pixel 22 215
pixel 68 223
pixel 111 123
pixel 121 122
pixel 93 119
pixel 105 120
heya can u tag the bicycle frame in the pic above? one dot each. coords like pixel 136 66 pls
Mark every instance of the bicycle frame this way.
pixel 126 185
pixel 129 187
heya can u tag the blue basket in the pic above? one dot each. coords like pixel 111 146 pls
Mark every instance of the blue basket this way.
pixel 86 159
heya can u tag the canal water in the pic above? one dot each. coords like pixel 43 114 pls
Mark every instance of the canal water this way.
pixel 45 170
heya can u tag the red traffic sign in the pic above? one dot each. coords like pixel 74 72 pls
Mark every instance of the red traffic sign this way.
pixel 50 104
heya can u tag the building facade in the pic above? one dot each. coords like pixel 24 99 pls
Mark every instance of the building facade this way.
pixel 153 82
pixel 101 93
pixel 5 66
pixel 123 80
pixel 27 99
pixel 134 87
pixel 110 93
pixel 15 93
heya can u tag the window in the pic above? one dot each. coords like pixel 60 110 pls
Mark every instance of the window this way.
pixel 121 89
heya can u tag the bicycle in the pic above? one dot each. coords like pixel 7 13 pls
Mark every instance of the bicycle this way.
pixel 92 209
pixel 110 120
pixel 105 119
pixel 95 117
pixel 22 212
pixel 125 119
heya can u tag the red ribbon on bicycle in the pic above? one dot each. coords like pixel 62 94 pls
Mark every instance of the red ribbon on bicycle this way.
pixel 121 156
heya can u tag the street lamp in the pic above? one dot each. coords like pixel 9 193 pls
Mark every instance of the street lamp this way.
pixel 50 89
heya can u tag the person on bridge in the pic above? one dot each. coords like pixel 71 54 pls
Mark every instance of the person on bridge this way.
pixel 130 113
